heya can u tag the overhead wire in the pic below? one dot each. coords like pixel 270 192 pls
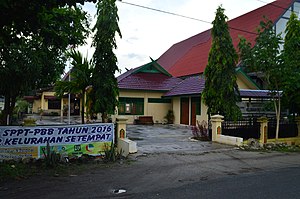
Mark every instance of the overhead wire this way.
pixel 163 11
pixel 183 16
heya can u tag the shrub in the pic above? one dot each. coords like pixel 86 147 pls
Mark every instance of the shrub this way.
pixel 29 121
pixel 200 131
pixel 111 154
pixel 170 117
pixel 51 157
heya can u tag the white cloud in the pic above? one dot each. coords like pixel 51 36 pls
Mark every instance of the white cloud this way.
pixel 150 33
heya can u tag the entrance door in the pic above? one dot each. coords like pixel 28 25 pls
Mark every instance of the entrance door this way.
pixel 195 109
pixel 184 111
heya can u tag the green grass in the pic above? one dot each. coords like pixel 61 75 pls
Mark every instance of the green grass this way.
pixel 274 147
pixel 15 170
pixel 287 149
pixel 11 170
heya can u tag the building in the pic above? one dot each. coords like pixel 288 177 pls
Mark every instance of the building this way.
pixel 46 102
pixel 174 81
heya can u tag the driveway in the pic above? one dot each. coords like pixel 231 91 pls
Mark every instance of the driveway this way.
pixel 168 139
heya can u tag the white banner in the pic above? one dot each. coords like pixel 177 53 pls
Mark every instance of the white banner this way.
pixel 12 136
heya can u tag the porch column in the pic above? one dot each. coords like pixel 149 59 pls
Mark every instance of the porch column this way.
pixel 297 120
pixel 263 129
pixel 216 126
pixel 62 108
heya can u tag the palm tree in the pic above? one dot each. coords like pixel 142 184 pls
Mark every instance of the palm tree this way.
pixel 80 79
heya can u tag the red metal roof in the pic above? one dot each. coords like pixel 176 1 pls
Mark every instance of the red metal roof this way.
pixel 190 56
pixel 148 81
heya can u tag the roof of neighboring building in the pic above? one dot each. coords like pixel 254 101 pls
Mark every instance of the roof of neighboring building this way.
pixel 190 56
pixel 195 85
pixel 255 93
pixel 148 81
pixel 150 76
pixel 190 86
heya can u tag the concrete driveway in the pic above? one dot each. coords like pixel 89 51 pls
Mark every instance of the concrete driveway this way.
pixel 168 139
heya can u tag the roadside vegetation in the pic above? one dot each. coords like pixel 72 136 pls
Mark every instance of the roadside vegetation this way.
pixel 254 145
pixel 54 165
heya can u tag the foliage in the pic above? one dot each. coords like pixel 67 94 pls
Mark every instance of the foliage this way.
pixel 280 147
pixel 111 154
pixel 291 57
pixel 29 121
pixel 265 57
pixel 81 74
pixel 170 117
pixel 21 107
pixel 33 44
pixel 51 157
pixel 200 131
pixel 13 170
pixel 221 91
pixel 103 97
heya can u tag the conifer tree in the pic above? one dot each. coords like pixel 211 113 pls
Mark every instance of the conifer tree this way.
pixel 221 91
pixel 105 85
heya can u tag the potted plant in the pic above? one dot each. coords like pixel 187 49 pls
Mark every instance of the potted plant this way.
pixel 170 117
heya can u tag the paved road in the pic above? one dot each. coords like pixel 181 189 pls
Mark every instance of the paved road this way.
pixel 216 174
pixel 279 183
pixel 170 165
pixel 169 139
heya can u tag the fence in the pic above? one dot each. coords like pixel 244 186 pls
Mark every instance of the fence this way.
pixel 286 129
pixel 243 128
pixel 235 132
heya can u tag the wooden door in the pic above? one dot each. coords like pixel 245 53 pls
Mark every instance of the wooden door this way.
pixel 196 102
pixel 184 111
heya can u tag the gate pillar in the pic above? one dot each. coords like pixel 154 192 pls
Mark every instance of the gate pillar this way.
pixel 263 129
pixel 125 146
pixel 216 126
pixel 121 127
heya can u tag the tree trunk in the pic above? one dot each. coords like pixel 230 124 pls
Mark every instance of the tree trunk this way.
pixel 104 117
pixel 82 106
pixel 7 112
pixel 277 111
pixel 277 119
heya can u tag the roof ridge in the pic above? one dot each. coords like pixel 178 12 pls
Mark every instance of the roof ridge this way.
pixel 127 73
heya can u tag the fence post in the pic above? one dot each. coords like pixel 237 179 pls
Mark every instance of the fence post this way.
pixel 297 120
pixel 263 129
pixel 124 145
pixel 216 126
pixel 121 127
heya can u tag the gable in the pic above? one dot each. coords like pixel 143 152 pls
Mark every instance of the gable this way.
pixel 189 57
pixel 152 67
pixel 244 81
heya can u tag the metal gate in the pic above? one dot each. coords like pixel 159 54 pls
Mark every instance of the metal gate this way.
pixel 248 128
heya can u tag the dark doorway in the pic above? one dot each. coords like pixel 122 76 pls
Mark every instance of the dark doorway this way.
pixel 184 110
pixel 196 109
pixel 75 106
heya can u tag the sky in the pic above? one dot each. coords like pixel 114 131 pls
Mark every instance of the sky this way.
pixel 147 33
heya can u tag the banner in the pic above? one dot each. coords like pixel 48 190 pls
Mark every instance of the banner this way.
pixel 21 142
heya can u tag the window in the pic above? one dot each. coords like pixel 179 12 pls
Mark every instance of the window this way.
pixel 54 104
pixel 159 100
pixel 131 106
